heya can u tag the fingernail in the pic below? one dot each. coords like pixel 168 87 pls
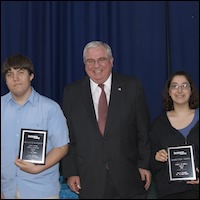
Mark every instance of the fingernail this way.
pixel 79 187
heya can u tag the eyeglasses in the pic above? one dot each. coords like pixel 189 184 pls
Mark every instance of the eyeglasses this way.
pixel 184 86
pixel 100 61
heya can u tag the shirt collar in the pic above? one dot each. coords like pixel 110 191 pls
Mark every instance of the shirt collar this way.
pixel 31 98
pixel 107 83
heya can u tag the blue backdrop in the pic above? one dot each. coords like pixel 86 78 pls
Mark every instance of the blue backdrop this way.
pixel 149 39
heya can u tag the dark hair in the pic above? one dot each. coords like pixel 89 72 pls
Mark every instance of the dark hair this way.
pixel 17 61
pixel 194 97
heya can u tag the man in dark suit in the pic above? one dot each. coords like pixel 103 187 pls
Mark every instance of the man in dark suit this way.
pixel 115 163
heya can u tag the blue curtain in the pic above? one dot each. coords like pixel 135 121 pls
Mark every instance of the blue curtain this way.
pixel 184 37
pixel 149 39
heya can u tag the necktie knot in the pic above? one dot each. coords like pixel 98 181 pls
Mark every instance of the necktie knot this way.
pixel 101 86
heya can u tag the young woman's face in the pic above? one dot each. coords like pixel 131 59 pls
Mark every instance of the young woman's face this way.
pixel 180 90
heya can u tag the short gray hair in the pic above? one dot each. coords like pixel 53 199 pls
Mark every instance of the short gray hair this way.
pixel 93 44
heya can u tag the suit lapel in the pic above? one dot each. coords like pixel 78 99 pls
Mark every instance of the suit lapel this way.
pixel 88 104
pixel 88 101
pixel 87 98
pixel 116 97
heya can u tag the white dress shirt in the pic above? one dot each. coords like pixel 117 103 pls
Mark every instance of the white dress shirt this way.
pixel 96 91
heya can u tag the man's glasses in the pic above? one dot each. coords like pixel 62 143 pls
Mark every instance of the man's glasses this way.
pixel 183 86
pixel 100 61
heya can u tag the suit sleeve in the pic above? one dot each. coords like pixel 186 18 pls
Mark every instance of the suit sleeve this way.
pixel 68 163
pixel 143 125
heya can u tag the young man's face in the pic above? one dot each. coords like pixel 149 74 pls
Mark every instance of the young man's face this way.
pixel 18 81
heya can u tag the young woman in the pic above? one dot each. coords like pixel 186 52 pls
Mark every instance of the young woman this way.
pixel 178 125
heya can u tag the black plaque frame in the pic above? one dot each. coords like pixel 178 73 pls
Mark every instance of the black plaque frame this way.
pixel 33 146
pixel 181 163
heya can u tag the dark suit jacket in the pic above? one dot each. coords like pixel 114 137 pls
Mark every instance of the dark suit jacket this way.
pixel 125 145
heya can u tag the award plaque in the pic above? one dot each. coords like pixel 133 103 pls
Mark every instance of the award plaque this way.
pixel 181 163
pixel 33 146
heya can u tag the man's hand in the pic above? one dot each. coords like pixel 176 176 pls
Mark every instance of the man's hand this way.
pixel 145 176
pixel 74 183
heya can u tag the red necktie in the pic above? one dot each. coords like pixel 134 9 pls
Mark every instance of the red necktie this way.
pixel 102 110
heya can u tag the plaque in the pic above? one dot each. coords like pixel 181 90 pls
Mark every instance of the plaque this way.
pixel 181 163
pixel 33 146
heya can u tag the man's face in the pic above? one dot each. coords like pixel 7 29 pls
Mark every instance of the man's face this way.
pixel 18 81
pixel 98 64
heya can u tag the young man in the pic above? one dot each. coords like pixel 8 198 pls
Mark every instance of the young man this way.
pixel 24 108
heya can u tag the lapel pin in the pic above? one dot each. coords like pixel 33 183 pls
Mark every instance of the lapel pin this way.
pixel 119 89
